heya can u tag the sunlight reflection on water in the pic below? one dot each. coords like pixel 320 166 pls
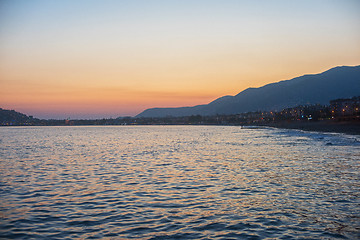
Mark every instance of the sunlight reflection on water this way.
pixel 187 182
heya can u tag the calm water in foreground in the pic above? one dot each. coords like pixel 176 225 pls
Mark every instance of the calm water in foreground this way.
pixel 178 182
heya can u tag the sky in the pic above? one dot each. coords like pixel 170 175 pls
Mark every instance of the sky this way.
pixel 87 59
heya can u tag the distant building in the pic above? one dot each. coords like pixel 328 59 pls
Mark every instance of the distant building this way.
pixel 345 108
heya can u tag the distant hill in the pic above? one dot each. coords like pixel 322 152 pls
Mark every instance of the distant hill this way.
pixel 338 82
pixel 11 117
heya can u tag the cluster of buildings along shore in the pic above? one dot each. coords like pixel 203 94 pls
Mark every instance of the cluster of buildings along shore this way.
pixel 339 110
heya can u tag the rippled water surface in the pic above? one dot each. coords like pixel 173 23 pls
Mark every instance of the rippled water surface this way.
pixel 178 182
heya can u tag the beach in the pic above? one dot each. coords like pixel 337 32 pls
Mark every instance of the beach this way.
pixel 347 127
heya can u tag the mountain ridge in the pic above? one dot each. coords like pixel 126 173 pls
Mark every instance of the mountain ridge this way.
pixel 337 82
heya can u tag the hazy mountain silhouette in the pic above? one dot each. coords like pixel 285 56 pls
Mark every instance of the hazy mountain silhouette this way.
pixel 11 117
pixel 338 82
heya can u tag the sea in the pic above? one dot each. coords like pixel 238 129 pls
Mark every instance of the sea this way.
pixel 178 182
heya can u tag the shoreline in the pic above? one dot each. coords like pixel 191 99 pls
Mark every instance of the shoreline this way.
pixel 330 126
pixel 348 127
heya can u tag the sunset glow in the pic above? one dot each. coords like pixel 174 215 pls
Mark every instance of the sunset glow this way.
pixel 95 59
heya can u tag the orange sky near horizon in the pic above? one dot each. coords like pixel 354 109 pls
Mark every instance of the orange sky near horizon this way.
pixel 95 59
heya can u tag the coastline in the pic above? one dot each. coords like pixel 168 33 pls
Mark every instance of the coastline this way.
pixel 351 127
pixel 347 127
